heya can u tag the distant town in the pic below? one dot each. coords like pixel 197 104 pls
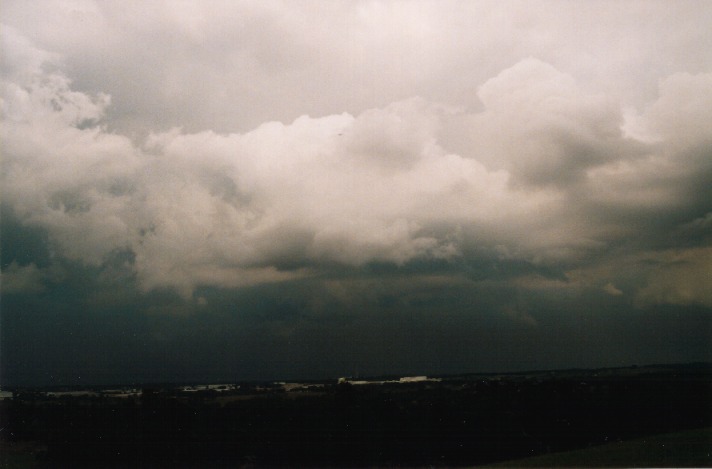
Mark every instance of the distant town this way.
pixel 404 421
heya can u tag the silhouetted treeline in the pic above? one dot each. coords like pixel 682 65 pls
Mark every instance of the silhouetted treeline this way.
pixel 447 423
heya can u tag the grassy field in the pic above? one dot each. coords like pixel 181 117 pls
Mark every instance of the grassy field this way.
pixel 692 448
pixel 636 417
pixel 19 455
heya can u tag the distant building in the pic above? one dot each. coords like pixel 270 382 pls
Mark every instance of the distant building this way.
pixel 405 379
pixel 413 379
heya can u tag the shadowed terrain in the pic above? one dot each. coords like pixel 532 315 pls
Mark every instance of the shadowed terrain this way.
pixel 453 421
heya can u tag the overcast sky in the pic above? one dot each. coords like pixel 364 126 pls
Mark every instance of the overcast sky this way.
pixel 216 190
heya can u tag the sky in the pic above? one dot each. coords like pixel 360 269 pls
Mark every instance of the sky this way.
pixel 258 190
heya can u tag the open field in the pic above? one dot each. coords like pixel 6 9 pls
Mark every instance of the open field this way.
pixel 649 416
pixel 692 448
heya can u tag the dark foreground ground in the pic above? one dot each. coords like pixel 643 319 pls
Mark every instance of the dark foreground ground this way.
pixel 460 421
pixel 688 448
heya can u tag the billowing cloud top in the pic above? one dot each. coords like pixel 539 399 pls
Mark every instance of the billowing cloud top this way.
pixel 227 145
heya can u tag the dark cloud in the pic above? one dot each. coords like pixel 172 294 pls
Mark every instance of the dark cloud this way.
pixel 316 329
pixel 261 191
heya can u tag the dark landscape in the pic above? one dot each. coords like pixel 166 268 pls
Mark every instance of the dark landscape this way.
pixel 465 420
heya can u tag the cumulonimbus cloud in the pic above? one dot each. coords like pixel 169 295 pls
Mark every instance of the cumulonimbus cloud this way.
pixel 540 174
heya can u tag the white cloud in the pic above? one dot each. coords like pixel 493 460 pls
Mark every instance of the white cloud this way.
pixel 539 168
pixel 542 128
pixel 245 63
pixel 612 289
pixel 674 164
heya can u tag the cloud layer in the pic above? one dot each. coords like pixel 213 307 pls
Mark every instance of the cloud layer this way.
pixel 539 167
pixel 261 190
